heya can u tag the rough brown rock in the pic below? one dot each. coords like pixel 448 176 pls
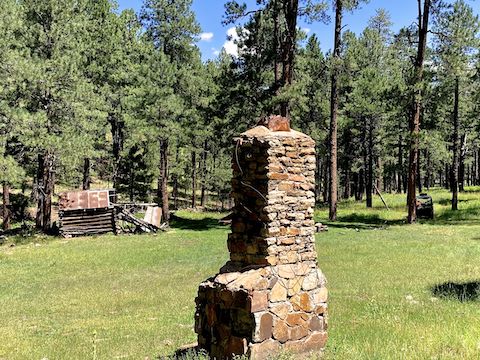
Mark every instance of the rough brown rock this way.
pixel 302 302
pixel 281 331
pixel 278 292
pixel 264 350
pixel 264 329
pixel 259 301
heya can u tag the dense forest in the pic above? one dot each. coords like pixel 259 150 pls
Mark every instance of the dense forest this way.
pixel 88 93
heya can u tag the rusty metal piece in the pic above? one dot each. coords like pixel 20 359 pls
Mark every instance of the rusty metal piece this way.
pixel 153 216
pixel 81 200
pixel 276 123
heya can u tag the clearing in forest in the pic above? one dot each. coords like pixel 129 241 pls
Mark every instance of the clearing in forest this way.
pixel 396 291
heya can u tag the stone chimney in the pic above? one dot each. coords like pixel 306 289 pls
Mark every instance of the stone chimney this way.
pixel 270 297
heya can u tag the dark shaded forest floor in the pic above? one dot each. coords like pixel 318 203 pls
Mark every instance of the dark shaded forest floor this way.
pixel 396 291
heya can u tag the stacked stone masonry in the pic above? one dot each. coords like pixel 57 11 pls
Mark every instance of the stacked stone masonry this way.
pixel 270 297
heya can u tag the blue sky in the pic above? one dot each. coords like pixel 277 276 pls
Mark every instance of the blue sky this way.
pixel 209 15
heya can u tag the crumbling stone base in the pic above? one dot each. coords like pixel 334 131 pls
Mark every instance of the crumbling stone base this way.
pixel 262 312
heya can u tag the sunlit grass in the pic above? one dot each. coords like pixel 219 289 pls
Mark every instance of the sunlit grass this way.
pixel 132 297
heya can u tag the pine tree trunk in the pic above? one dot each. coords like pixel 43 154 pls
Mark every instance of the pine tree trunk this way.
pixel 203 197
pixel 419 174
pixel 276 70
pixel 288 53
pixel 162 190
pixel 461 168
pixel 175 180
pixel 417 106
pixel 427 170
pixel 364 171
pixel 347 193
pixel 334 112
pixel 474 168
pixel 461 174
pixel 86 174
pixel 361 186
pixel 380 182
pixel 455 162
pixel 194 179
pixel 318 177
pixel 40 191
pixel 6 207
pixel 117 146
pixel 369 183
pixel 468 175
pixel 477 168
pixel 49 183
pixel 355 185
pixel 326 181
pixel 400 164
pixel 349 159
pixel 448 177
pixel 131 184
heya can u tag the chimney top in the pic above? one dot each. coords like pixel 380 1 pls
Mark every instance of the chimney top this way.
pixel 275 123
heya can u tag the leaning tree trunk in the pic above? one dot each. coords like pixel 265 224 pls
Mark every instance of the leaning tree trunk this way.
pixel 417 105
pixel 162 190
pixel 6 207
pixel 334 112
pixel 455 148
pixel 86 174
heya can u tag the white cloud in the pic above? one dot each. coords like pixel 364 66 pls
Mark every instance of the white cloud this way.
pixel 306 30
pixel 215 52
pixel 230 46
pixel 206 36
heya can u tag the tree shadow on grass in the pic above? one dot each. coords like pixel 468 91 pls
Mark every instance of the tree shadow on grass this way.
pixel 472 190
pixel 206 223
pixel 446 202
pixel 363 221
pixel 465 216
pixel 463 292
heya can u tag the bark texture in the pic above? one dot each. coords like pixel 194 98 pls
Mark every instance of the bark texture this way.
pixel 334 113
pixel 423 20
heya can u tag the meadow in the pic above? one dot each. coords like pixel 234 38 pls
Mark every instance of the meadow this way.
pixel 397 291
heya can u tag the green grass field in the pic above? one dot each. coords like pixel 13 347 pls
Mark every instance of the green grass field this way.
pixel 396 291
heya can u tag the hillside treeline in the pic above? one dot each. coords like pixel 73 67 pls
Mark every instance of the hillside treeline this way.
pixel 89 93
